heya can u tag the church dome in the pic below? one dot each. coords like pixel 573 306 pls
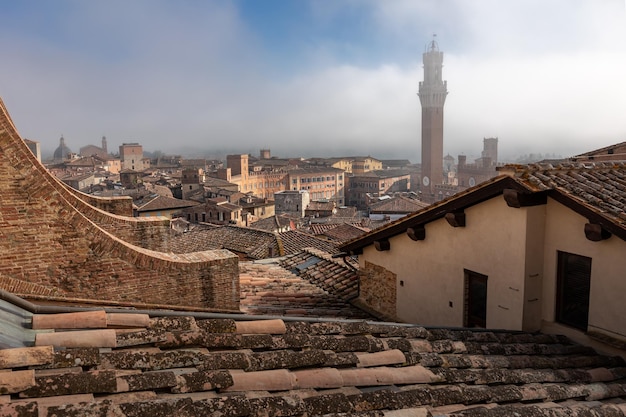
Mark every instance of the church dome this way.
pixel 62 152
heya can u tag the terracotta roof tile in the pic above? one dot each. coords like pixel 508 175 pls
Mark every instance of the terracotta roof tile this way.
pixel 397 204
pixel 251 243
pixel 162 203
pixel 235 365
pixel 268 288
pixel 333 275
pixel 600 185
pixel 294 241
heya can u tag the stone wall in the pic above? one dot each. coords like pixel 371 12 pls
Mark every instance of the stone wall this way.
pixel 50 237
pixel 377 289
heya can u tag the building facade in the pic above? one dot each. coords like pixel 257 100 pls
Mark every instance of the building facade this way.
pixel 131 157
pixel 547 254
pixel 376 183
pixel 321 183
pixel 292 202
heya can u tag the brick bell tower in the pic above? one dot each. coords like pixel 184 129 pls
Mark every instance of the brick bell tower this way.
pixel 432 94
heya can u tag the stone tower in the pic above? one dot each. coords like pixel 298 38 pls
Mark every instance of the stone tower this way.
pixel 432 94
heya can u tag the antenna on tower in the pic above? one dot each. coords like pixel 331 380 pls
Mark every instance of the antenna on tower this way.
pixel 432 45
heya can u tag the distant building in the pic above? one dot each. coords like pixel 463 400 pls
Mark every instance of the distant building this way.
pixel 81 182
pixel 163 206
pixel 192 182
pixel 129 179
pixel 91 150
pixel 62 152
pixel 265 154
pixel 131 157
pixel 292 202
pixel 376 183
pixel 394 208
pixel 215 211
pixel 320 209
pixel 361 165
pixel 483 169
pixel 321 183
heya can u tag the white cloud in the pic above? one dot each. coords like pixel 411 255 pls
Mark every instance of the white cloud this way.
pixel 542 76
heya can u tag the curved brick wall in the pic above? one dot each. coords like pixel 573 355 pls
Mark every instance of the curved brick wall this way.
pixel 51 237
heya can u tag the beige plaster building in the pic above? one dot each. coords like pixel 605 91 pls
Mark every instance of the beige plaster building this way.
pixel 539 246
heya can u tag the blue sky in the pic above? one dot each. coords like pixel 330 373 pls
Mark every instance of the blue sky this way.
pixel 314 77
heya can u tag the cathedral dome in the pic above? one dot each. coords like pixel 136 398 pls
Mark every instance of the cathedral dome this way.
pixel 62 152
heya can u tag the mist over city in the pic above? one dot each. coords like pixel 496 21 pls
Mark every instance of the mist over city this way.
pixel 315 78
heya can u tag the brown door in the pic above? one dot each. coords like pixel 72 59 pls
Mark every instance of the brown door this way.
pixel 573 286
pixel 475 299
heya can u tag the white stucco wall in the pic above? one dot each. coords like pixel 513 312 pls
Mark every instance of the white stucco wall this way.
pixel 493 243
pixel 607 299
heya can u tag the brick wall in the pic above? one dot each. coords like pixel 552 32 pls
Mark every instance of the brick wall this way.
pixel 53 239
pixel 122 205
pixel 377 289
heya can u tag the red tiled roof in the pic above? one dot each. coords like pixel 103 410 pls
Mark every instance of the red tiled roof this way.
pixel 345 232
pixel 271 289
pixel 255 244
pixel 294 241
pixel 110 364
pixel 397 204
pixel 164 203
pixel 333 275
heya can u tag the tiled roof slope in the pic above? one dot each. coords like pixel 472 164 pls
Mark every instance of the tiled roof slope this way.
pixel 600 186
pixel 397 204
pixel 345 232
pixel 322 270
pixel 163 203
pixel 112 364
pixel 596 190
pixel 254 244
pixel 277 222
pixel 270 289
pixel 294 241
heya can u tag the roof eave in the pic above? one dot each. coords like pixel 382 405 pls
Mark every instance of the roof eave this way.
pixel 436 211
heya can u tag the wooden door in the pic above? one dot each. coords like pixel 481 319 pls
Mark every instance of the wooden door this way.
pixel 573 287
pixel 475 299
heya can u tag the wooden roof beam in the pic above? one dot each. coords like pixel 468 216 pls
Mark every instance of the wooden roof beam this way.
pixel 416 232
pixel 382 245
pixel 517 199
pixel 596 232
pixel 456 218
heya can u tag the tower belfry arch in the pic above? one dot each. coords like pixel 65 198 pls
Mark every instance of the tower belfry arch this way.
pixel 432 94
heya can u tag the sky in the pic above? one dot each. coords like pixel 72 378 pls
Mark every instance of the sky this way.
pixel 314 77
